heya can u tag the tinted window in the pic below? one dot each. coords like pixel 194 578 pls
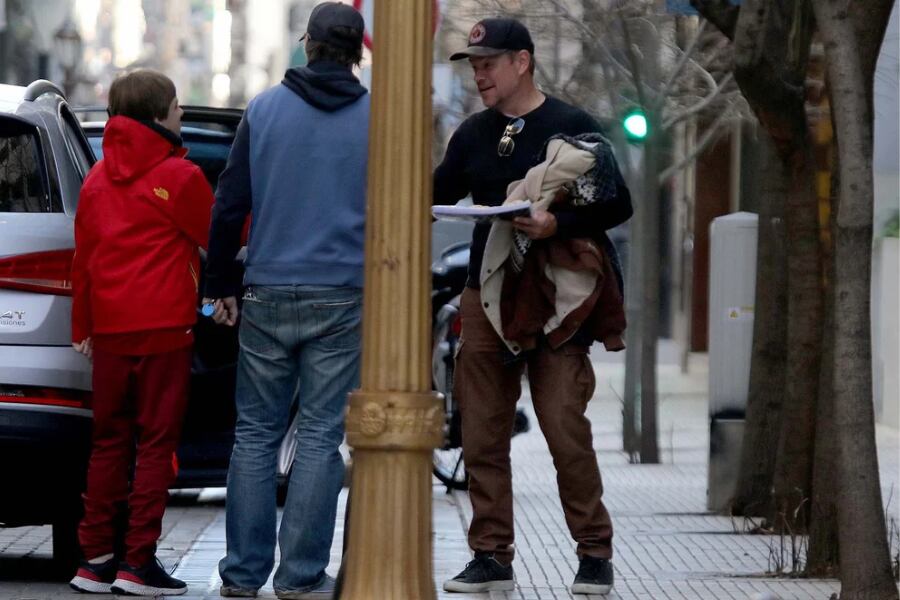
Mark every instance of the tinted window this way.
pixel 22 183
pixel 96 142
pixel 207 149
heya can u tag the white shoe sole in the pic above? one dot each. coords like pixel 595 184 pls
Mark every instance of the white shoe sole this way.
pixel 123 586
pixel 590 588
pixel 82 584
pixel 505 585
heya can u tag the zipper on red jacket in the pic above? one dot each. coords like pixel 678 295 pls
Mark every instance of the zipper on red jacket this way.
pixel 194 276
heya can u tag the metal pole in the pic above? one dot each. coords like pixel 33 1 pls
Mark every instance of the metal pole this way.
pixel 395 421
pixel 633 307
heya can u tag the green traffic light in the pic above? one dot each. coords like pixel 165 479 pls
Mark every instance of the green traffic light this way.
pixel 635 124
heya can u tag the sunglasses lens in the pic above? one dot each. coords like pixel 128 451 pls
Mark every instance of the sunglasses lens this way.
pixel 506 146
pixel 516 126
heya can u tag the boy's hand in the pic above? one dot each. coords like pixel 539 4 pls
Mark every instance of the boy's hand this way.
pixel 86 347
pixel 225 310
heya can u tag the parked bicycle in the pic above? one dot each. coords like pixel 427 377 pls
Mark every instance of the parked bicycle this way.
pixel 448 278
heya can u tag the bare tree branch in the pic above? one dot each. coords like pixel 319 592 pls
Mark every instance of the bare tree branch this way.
pixel 696 108
pixel 565 13
pixel 635 63
pixel 664 90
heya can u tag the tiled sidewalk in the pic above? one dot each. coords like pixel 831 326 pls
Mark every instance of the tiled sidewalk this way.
pixel 666 545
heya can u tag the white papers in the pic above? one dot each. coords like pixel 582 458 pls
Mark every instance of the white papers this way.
pixel 521 208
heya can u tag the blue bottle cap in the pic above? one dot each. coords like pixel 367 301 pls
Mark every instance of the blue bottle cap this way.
pixel 208 309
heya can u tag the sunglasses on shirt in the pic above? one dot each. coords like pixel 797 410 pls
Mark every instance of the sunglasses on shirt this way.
pixel 507 145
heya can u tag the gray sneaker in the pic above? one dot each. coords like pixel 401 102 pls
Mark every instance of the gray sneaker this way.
pixel 324 590
pixel 232 591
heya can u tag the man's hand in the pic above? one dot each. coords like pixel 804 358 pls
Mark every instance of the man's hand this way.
pixel 541 224
pixel 225 310
pixel 86 347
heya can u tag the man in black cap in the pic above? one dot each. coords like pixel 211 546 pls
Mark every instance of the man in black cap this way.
pixel 489 150
pixel 298 163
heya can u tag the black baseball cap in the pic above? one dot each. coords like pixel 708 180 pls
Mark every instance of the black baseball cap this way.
pixel 497 35
pixel 328 15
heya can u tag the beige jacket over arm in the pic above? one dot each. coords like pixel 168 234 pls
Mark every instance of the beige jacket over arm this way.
pixel 564 163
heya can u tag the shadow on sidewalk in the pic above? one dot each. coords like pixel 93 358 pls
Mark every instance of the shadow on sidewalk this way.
pixel 33 569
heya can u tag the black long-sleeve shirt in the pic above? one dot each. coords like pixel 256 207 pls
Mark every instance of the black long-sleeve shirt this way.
pixel 472 165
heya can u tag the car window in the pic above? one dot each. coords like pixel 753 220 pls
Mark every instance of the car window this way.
pixel 96 142
pixel 207 148
pixel 23 182
pixel 76 142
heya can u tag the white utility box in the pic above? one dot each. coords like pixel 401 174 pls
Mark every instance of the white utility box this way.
pixel 732 295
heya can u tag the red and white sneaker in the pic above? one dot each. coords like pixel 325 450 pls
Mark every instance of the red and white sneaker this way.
pixel 95 578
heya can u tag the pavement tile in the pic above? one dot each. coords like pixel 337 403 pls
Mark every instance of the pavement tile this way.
pixel 667 546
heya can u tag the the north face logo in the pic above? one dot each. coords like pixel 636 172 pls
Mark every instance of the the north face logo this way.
pixel 161 192
pixel 477 34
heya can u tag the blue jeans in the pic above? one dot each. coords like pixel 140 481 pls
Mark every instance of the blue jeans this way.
pixel 303 341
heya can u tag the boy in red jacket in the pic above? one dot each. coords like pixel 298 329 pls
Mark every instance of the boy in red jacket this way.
pixel 143 212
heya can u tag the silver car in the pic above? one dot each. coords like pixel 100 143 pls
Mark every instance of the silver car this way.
pixel 45 399
pixel 45 415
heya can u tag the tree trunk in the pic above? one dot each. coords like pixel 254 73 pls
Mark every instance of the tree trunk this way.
pixel 823 555
pixel 865 561
pixel 792 484
pixel 753 496
pixel 772 42
pixel 645 72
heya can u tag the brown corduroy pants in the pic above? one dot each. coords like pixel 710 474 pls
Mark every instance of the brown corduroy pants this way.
pixel 487 388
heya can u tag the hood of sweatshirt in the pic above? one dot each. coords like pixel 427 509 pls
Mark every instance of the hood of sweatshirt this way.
pixel 325 85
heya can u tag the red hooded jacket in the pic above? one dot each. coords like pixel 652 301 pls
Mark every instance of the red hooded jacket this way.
pixel 142 213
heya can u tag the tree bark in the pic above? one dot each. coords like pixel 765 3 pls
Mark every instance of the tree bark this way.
pixel 851 40
pixel 823 556
pixel 753 496
pixel 792 484
pixel 772 42
pixel 765 55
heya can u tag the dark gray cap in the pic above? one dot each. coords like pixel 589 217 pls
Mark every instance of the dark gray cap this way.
pixel 327 16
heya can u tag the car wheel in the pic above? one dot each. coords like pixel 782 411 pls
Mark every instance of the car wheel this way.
pixel 450 468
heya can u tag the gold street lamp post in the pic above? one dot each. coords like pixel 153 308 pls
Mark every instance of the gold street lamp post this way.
pixel 395 420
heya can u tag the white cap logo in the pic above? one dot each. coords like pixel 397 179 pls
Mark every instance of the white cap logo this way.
pixel 477 34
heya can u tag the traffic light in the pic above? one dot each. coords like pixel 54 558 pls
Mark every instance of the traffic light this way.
pixel 635 124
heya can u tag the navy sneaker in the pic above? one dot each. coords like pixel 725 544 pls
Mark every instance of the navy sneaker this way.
pixel 595 576
pixel 95 578
pixel 149 580
pixel 484 574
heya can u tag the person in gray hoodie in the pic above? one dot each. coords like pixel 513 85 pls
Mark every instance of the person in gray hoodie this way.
pixel 298 168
